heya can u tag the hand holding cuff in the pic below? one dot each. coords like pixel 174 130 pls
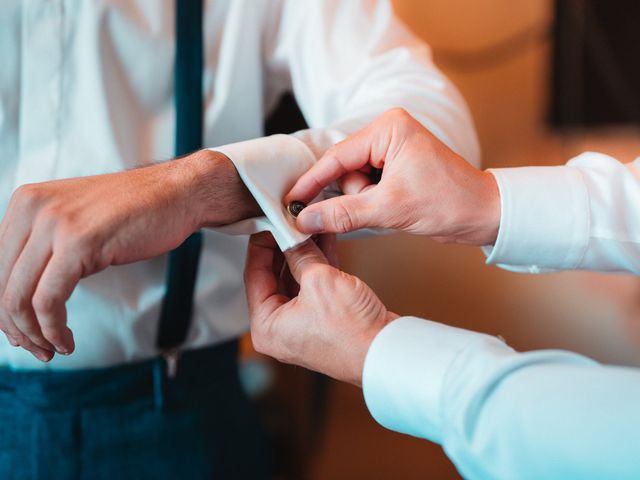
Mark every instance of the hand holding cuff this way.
pixel 269 167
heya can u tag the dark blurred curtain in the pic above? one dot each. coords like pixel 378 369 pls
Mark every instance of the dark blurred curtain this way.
pixel 596 71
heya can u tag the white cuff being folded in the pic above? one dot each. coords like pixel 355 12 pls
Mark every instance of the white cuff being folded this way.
pixel 269 167
pixel 544 223
pixel 404 374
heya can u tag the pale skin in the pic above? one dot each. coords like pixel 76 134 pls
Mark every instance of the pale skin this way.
pixel 327 326
pixel 56 233
pixel 425 189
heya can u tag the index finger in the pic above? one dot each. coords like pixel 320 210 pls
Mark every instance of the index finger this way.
pixel 59 279
pixel 350 155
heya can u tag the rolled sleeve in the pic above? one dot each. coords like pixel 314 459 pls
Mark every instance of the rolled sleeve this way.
pixel 404 374
pixel 544 220
pixel 269 167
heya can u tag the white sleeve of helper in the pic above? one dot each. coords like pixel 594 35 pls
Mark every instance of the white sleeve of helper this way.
pixel 584 215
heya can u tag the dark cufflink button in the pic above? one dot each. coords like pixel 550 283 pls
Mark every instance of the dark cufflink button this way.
pixel 296 207
pixel 375 175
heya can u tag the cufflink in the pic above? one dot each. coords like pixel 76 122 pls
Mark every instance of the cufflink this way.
pixel 375 175
pixel 294 208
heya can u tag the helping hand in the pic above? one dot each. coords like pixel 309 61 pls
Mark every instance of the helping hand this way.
pixel 327 327
pixel 425 187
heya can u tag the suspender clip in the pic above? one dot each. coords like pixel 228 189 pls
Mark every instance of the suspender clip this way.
pixel 171 358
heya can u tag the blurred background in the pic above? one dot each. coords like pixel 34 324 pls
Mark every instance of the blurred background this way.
pixel 545 80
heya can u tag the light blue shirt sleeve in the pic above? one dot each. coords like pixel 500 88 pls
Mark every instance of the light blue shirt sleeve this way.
pixel 500 414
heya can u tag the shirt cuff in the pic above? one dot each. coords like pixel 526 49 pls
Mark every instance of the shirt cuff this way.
pixel 269 167
pixel 404 374
pixel 544 220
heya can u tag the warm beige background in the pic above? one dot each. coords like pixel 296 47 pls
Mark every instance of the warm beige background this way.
pixel 598 315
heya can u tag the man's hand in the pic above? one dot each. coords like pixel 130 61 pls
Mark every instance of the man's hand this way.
pixel 55 233
pixel 327 327
pixel 425 187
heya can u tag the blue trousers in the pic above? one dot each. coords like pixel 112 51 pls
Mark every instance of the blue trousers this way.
pixel 131 422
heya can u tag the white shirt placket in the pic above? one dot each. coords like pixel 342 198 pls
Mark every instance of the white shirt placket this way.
pixel 41 93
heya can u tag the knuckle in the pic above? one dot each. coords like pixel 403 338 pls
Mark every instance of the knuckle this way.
pixel 5 325
pixel 332 153
pixel 45 302
pixel 343 219
pixel 402 118
pixel 82 245
pixel 13 302
pixel 315 277
pixel 27 196
pixel 300 259
pixel 10 329
pixel 77 239
pixel 399 113
pixel 333 157
pixel 69 230
pixel 259 345
pixel 48 216
pixel 53 334
pixel 262 335
pixel 54 221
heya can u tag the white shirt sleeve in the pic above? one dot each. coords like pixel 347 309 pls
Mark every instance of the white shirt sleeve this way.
pixel 583 215
pixel 500 414
pixel 347 63
pixel 269 175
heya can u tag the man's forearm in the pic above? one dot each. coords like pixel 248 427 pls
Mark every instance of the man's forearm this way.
pixel 80 226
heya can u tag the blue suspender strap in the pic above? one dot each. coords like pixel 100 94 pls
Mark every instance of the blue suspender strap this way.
pixel 188 76
pixel 175 316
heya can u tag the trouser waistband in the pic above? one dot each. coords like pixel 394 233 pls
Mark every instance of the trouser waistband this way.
pixel 204 368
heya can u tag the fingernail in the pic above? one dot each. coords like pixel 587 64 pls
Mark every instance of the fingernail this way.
pixel 43 357
pixel 310 222
pixel 12 341
pixel 61 350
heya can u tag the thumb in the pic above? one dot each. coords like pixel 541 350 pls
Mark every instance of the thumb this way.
pixel 303 257
pixel 340 214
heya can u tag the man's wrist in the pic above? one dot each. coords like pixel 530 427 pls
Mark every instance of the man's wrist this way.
pixel 217 194
pixel 476 219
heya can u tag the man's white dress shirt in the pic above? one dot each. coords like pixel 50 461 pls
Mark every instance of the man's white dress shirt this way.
pixel 500 414
pixel 86 88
